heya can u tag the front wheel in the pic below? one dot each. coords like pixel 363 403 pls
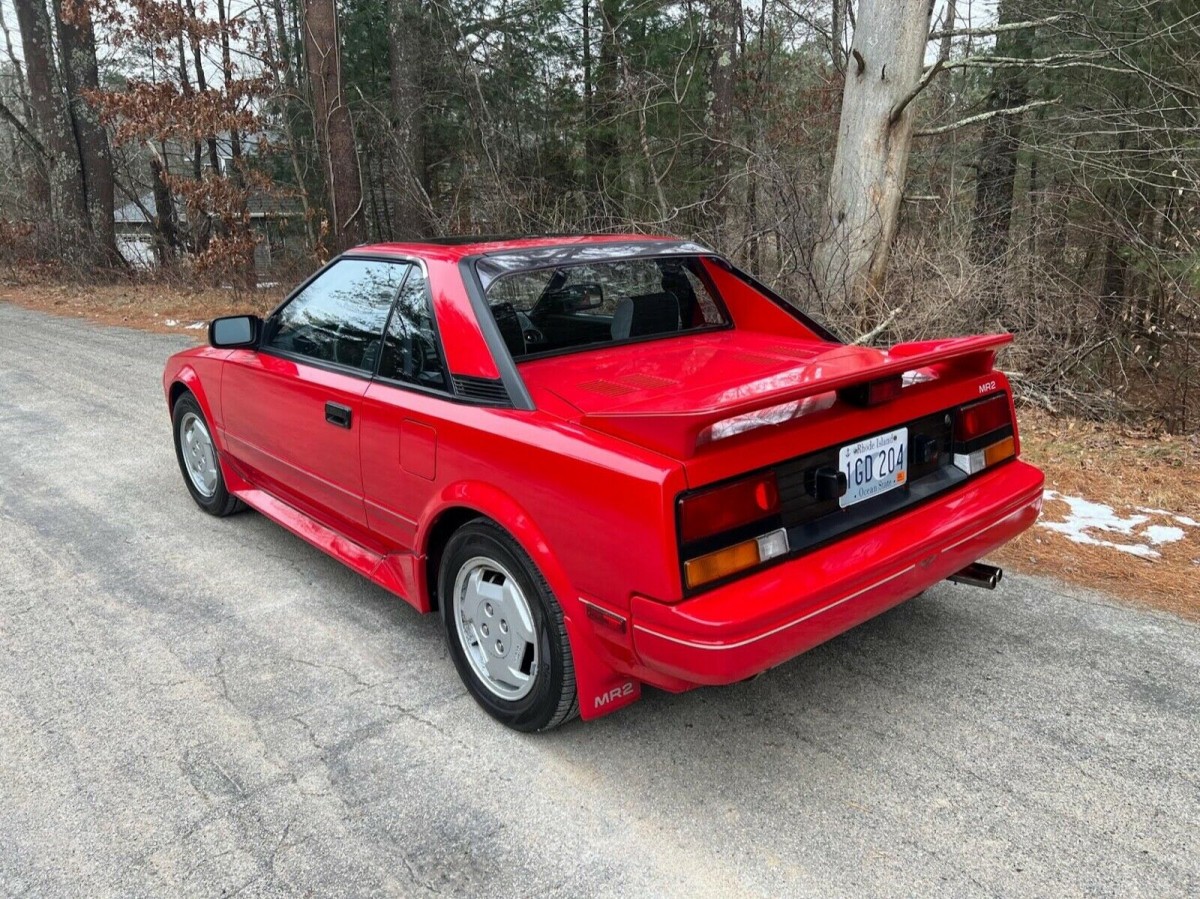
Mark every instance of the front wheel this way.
pixel 197 455
pixel 505 630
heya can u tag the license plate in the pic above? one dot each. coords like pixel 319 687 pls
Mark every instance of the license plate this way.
pixel 874 466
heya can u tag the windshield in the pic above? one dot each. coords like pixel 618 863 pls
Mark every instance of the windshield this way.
pixel 593 304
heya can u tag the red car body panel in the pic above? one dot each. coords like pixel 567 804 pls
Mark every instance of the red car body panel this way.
pixel 588 480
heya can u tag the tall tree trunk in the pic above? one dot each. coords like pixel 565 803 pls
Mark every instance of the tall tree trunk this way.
pixel 288 110
pixel 723 14
pixel 214 157
pixel 997 168
pixel 406 50
pixel 38 184
pixel 166 232
pixel 333 126
pixel 602 148
pixel 587 71
pixel 866 184
pixel 77 44
pixel 68 202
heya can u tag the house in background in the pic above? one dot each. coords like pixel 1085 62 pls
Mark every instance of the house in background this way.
pixel 276 222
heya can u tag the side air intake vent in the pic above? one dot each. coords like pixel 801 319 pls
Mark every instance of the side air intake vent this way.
pixel 484 390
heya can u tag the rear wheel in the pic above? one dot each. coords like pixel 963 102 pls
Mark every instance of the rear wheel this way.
pixel 197 455
pixel 505 630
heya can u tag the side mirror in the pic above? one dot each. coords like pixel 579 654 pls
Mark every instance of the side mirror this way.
pixel 234 331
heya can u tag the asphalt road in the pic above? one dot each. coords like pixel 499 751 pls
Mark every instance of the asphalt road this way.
pixel 203 707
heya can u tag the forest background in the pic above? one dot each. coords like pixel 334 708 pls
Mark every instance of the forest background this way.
pixel 898 168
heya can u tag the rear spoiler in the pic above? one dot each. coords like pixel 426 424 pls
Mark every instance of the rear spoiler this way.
pixel 676 428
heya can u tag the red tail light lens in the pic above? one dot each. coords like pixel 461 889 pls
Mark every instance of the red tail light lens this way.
pixel 981 418
pixel 729 507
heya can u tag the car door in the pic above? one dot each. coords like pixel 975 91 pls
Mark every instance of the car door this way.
pixel 291 408
pixel 403 412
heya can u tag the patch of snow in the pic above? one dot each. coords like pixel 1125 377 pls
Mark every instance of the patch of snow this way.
pixel 171 323
pixel 264 285
pixel 195 326
pixel 1157 533
pixel 1087 522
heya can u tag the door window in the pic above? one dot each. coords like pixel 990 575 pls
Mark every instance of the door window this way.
pixel 339 316
pixel 411 351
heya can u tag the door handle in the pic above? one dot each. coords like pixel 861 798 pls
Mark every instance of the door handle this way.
pixel 337 414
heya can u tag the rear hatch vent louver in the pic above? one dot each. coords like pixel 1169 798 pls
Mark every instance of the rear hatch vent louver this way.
pixel 484 390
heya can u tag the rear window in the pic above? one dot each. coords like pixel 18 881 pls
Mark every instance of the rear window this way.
pixel 593 304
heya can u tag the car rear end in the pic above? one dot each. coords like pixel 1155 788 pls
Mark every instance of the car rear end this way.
pixel 778 560
pixel 825 482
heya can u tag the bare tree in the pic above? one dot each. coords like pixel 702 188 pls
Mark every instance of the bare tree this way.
pixel 997 167
pixel 333 125
pixel 866 184
pixel 77 45
pixel 406 51
pixel 723 16
pixel 68 204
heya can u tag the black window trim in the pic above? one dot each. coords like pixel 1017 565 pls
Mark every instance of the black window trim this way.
pixel 353 371
pixel 449 390
pixel 703 276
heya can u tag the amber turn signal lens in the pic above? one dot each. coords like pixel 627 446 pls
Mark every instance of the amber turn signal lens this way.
pixel 998 452
pixel 721 563
pixel 973 463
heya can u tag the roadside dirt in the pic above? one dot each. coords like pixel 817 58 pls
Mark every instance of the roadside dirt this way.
pixel 1122 512
pixel 149 306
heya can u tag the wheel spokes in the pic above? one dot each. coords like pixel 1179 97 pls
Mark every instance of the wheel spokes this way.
pixel 496 628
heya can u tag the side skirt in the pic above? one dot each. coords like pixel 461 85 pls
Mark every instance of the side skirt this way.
pixel 393 572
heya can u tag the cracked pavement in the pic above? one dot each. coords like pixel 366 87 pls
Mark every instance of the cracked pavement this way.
pixel 211 707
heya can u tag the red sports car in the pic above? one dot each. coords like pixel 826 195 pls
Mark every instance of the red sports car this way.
pixel 605 461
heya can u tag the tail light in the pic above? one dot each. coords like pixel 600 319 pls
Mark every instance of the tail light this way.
pixel 983 434
pixel 981 418
pixel 730 510
pixel 725 508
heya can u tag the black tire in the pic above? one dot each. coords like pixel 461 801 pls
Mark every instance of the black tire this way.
pixel 221 502
pixel 552 700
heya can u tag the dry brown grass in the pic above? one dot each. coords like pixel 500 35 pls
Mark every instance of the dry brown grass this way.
pixel 1129 470
pixel 145 305
pixel 1124 468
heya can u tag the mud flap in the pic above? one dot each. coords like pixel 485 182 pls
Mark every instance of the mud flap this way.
pixel 601 689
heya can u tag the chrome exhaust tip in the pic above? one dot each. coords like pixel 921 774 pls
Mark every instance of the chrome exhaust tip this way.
pixel 977 574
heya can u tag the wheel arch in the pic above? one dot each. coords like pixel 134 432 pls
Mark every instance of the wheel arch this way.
pixel 461 502
pixel 602 688
pixel 186 380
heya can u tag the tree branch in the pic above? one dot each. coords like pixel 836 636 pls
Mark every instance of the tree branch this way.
pixel 994 29
pixel 878 329
pixel 26 135
pixel 898 109
pixel 984 116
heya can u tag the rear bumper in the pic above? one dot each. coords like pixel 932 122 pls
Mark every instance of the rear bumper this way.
pixel 736 631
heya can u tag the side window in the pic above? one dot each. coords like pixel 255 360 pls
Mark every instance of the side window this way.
pixel 410 347
pixel 339 317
